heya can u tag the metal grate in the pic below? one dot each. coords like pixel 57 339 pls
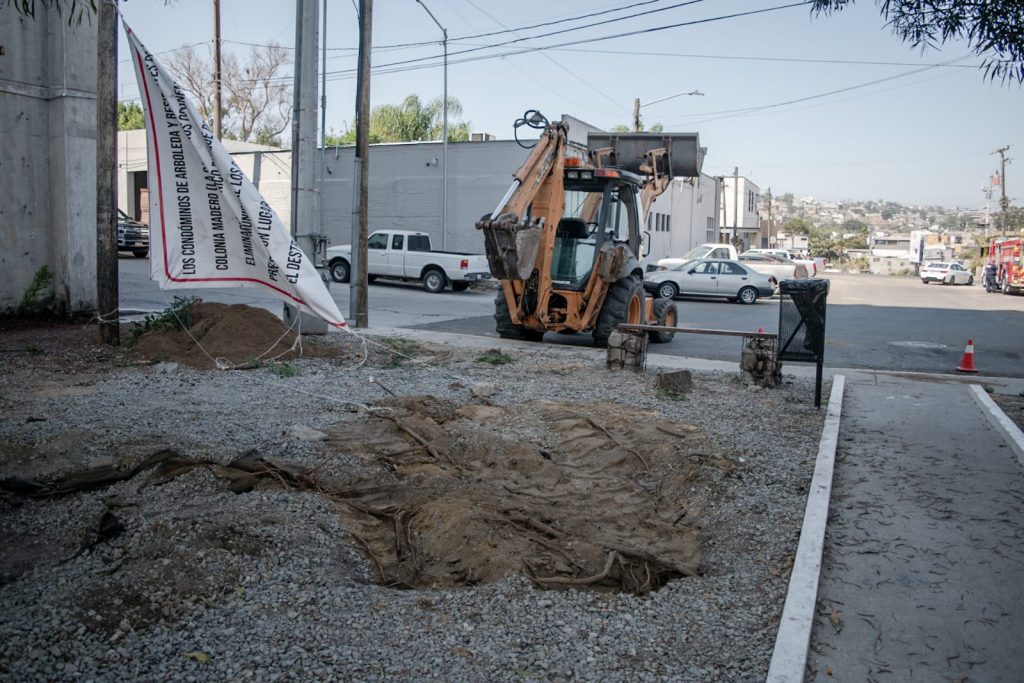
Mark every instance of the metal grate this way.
pixel 802 324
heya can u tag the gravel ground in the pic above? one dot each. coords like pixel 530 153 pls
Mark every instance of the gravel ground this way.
pixel 204 584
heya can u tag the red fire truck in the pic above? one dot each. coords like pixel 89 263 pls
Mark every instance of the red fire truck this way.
pixel 1006 255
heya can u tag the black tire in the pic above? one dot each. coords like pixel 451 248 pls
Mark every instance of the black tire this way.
pixel 340 270
pixel 666 315
pixel 460 286
pixel 747 296
pixel 668 290
pixel 434 280
pixel 504 326
pixel 625 295
pixel 141 254
pixel 371 278
pixel 948 281
pixel 970 280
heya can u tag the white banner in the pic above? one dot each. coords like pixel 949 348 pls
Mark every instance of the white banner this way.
pixel 209 225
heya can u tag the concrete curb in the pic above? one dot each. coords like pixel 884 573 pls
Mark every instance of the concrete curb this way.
pixel 792 643
pixel 1001 422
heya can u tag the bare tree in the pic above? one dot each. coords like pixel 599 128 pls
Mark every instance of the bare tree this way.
pixel 257 98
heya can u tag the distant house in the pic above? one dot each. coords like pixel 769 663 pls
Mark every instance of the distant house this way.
pixel 890 254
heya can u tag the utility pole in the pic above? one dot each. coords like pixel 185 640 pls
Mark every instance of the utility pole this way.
pixel 358 290
pixel 305 227
pixel 771 225
pixel 735 204
pixel 444 133
pixel 1004 204
pixel 106 165
pixel 217 116
pixel 636 115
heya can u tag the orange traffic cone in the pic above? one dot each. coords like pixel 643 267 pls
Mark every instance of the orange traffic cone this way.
pixel 967 361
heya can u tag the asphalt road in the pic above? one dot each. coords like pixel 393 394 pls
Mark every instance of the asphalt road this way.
pixel 879 322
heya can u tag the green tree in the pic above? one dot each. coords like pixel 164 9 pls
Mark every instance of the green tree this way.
pixel 993 29
pixel 854 225
pixel 410 121
pixel 413 120
pixel 797 226
pixel 655 128
pixel 129 116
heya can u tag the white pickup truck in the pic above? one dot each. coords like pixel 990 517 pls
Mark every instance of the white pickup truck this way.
pixel 703 251
pixel 406 255
pixel 810 264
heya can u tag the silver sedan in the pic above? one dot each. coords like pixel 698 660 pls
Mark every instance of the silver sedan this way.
pixel 711 277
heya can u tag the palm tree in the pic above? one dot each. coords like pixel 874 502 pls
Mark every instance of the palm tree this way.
pixel 412 120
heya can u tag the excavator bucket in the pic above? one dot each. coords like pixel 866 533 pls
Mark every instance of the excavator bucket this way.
pixel 511 247
pixel 678 154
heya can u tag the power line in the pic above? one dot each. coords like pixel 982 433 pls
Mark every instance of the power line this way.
pixel 505 29
pixel 390 67
pixel 727 113
pixel 758 58
pixel 558 64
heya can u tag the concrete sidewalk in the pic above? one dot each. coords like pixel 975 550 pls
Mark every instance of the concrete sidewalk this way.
pixel 923 574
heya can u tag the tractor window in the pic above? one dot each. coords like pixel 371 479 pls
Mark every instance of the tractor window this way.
pixel 583 205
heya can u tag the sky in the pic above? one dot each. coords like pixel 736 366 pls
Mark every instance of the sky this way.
pixel 832 107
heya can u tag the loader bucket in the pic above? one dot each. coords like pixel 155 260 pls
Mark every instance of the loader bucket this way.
pixel 511 249
pixel 685 154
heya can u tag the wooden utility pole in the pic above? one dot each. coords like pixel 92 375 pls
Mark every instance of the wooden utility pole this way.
pixel 217 115
pixel 106 169
pixel 636 115
pixel 358 290
pixel 1004 204
pixel 735 205
pixel 771 225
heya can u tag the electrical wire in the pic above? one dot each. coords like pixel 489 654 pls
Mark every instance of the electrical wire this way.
pixel 558 64
pixel 390 67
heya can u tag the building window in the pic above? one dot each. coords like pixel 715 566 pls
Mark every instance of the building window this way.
pixel 710 234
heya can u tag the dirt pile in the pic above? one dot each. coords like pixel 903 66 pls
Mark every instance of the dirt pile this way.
pixel 584 495
pixel 234 335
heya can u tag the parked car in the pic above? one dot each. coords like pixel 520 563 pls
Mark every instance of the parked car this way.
pixel 709 277
pixel 406 255
pixel 778 267
pixel 132 235
pixel 702 251
pixel 946 273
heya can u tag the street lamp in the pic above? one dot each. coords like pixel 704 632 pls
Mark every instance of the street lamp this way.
pixel 637 105
pixel 444 133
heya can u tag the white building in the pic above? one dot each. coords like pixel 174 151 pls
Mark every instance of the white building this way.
pixel 684 216
pixel 739 220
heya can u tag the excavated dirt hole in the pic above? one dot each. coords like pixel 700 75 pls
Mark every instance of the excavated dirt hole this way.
pixel 598 495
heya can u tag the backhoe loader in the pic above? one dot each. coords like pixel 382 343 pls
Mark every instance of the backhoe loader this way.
pixel 565 239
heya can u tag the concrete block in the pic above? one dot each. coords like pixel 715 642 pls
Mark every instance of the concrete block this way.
pixel 627 351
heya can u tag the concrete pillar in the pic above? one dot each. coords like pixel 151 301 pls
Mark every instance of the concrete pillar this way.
pixel 48 158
